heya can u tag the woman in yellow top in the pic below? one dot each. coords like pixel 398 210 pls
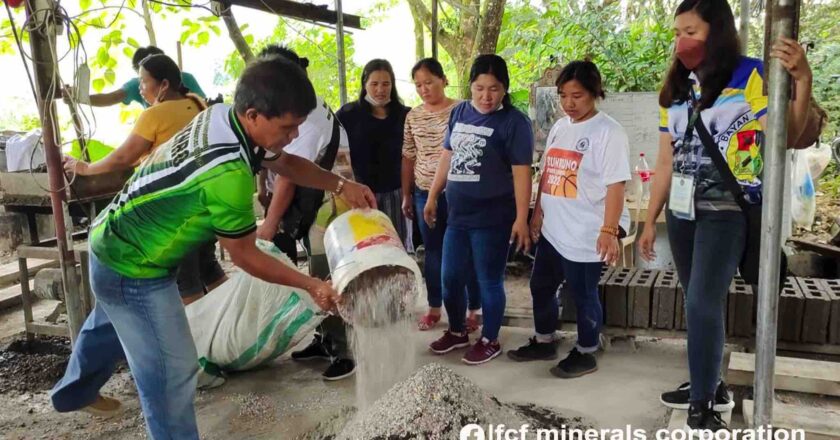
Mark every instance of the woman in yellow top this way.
pixel 171 108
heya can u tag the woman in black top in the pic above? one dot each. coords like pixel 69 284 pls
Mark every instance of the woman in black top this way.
pixel 374 126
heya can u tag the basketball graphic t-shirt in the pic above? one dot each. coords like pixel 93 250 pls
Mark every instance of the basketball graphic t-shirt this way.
pixel 479 187
pixel 580 161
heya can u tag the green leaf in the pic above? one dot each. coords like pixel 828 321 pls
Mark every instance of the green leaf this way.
pixel 102 56
pixel 215 30
pixel 203 38
pixel 128 52
pixel 132 42
pixel 184 37
pixel 84 5
pixel 98 84
pixel 110 76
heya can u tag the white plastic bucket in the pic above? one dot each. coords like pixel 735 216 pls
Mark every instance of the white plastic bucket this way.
pixel 360 240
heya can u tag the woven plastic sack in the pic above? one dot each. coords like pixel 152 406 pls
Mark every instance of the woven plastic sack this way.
pixel 247 322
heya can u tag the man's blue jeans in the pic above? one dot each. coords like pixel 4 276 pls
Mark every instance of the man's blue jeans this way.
pixel 482 251
pixel 433 243
pixel 142 320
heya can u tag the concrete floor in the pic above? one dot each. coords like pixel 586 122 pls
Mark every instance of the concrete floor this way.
pixel 289 399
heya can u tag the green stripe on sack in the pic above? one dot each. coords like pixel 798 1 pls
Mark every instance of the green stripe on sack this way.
pixel 209 367
pixel 291 330
pixel 264 336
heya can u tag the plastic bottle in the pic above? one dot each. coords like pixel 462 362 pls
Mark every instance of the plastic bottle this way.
pixel 644 174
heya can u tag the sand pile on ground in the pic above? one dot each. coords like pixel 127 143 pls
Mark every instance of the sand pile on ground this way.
pixel 435 403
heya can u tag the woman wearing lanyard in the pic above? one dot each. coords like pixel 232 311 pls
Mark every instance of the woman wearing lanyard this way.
pixel 374 126
pixel 710 82
pixel 425 127
pixel 577 218
pixel 486 169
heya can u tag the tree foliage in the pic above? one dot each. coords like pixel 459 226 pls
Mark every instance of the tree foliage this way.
pixel 316 43
pixel 631 54
pixel 466 29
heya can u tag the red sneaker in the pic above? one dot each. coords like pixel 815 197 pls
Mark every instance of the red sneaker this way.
pixel 482 352
pixel 448 342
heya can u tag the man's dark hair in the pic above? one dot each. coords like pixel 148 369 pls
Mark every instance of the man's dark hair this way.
pixel 283 51
pixel 142 53
pixel 491 64
pixel 274 86
pixel 430 64
pixel 586 73
pixel 723 53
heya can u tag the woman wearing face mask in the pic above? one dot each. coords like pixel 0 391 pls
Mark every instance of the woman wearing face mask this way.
pixel 172 107
pixel 374 126
pixel 706 227
pixel 425 127
pixel 577 218
pixel 486 170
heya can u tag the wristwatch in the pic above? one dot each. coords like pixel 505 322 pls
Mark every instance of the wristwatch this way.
pixel 340 187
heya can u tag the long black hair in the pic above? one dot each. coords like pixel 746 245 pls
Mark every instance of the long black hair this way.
pixel 723 52
pixel 376 65
pixel 495 65
pixel 161 67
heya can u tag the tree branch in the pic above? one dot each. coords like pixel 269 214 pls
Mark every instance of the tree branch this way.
pixel 490 27
pixel 147 18
pixel 235 33
pixel 449 43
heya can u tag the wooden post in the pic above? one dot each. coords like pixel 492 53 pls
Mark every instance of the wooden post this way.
pixel 42 42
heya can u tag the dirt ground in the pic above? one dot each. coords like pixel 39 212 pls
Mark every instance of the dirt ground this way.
pixel 828 209
pixel 287 400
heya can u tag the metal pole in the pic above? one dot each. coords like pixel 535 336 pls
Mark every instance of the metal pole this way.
pixel 745 26
pixel 434 29
pixel 342 66
pixel 771 230
pixel 42 42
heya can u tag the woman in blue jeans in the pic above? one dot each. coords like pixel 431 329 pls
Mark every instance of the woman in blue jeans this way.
pixel 486 169
pixel 576 221
pixel 425 127
pixel 706 227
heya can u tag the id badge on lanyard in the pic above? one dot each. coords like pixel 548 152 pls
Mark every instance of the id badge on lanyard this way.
pixel 681 200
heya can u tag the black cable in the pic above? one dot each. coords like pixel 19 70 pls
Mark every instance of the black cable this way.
pixel 185 5
pixel 20 49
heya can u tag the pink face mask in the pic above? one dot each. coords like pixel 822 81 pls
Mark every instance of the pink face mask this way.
pixel 690 52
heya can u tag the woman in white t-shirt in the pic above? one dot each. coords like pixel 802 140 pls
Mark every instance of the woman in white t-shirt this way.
pixel 579 214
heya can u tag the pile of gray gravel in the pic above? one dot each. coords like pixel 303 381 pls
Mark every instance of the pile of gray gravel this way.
pixel 435 403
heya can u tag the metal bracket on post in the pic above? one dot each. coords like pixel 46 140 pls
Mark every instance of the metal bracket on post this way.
pixel 782 24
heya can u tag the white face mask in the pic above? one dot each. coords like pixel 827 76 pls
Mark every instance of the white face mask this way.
pixel 501 106
pixel 372 101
